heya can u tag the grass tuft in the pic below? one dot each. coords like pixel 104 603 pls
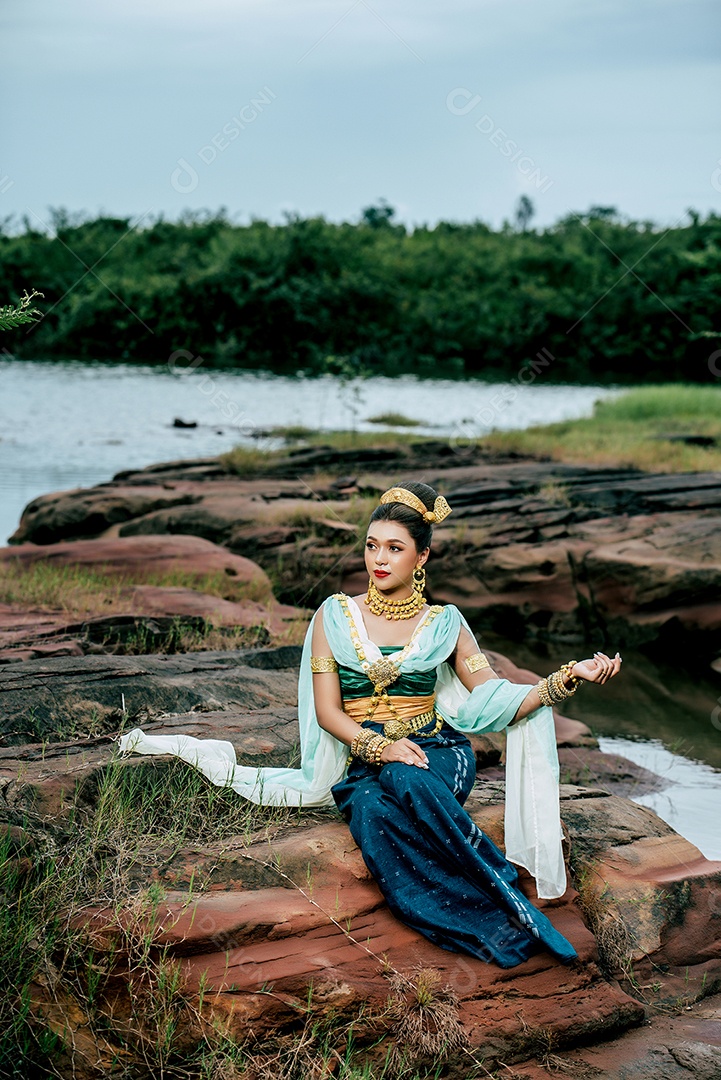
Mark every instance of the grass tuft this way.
pixel 613 937
pixel 424 1016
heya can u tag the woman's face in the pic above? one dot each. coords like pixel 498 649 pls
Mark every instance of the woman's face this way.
pixel 390 548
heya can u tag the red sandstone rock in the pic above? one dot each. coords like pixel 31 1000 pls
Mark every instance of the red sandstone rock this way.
pixel 335 931
pixel 25 634
pixel 679 1044
pixel 300 907
pixel 599 547
pixel 282 929
pixel 137 557
pixel 176 600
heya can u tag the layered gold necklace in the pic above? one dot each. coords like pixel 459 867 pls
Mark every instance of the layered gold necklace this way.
pixel 397 609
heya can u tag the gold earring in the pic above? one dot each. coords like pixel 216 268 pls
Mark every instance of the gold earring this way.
pixel 419 580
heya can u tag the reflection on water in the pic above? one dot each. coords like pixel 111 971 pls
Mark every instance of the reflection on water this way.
pixel 657 714
pixel 688 796
pixel 73 424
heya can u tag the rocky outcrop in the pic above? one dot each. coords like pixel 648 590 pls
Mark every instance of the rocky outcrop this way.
pixel 299 908
pixel 141 557
pixel 291 905
pixel 78 695
pixel 155 615
pixel 681 1044
pixel 255 927
pixel 558 551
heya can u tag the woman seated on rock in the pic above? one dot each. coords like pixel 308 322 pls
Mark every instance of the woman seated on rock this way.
pixel 387 687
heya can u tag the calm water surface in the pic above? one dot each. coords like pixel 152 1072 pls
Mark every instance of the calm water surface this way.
pixel 74 424
pixel 688 795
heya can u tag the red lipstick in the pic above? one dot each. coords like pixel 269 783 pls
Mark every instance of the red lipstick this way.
pixel 381 573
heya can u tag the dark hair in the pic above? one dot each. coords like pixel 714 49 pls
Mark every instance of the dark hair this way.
pixel 421 531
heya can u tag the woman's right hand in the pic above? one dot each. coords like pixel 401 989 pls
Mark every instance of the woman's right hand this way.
pixel 406 751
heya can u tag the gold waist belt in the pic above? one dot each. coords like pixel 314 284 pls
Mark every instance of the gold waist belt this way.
pixel 407 715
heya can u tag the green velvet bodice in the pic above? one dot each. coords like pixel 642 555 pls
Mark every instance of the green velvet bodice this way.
pixel 355 684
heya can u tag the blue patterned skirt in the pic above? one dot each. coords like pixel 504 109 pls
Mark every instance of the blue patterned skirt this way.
pixel 438 872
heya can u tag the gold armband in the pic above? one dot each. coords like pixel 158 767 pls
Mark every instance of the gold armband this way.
pixel 476 662
pixel 323 663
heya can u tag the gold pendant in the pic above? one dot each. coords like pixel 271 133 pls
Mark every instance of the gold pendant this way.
pixel 383 672
pixel 395 729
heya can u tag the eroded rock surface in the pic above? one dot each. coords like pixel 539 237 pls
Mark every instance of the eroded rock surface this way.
pixel 77 693
pixel 293 906
pixel 560 551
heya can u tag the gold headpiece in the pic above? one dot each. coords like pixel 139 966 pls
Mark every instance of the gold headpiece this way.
pixel 440 510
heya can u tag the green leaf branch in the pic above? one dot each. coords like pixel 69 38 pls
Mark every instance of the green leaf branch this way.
pixel 22 313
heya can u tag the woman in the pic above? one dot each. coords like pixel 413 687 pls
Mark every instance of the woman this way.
pixel 396 682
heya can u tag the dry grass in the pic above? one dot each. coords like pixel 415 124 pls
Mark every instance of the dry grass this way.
pixel 97 590
pixel 424 1017
pixel 554 493
pixel 613 937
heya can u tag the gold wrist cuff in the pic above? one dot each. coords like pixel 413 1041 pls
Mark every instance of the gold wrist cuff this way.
pixel 553 689
pixel 323 663
pixel 476 662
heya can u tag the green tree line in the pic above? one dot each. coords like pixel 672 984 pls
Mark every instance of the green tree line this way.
pixel 605 297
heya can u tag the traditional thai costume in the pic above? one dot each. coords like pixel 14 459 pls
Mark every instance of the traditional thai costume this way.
pixel 437 870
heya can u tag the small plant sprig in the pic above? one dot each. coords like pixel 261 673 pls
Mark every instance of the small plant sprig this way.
pixel 22 313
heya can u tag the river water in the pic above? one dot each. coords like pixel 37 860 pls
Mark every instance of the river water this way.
pixel 74 424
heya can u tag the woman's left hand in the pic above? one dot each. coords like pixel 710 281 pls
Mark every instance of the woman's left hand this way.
pixel 599 669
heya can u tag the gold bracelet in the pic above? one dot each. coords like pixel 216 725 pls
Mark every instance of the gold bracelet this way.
pixel 476 662
pixel 553 689
pixel 323 663
pixel 368 745
pixel 376 749
pixel 543 694
pixel 559 690
pixel 360 740
pixel 567 669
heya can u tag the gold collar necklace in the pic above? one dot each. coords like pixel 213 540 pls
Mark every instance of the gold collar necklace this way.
pixel 397 609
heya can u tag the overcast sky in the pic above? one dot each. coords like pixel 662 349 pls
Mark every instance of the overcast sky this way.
pixel 450 110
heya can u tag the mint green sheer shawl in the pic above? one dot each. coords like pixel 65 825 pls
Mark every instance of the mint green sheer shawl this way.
pixel 532 822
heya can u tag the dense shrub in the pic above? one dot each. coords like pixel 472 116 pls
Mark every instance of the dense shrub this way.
pixel 603 296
